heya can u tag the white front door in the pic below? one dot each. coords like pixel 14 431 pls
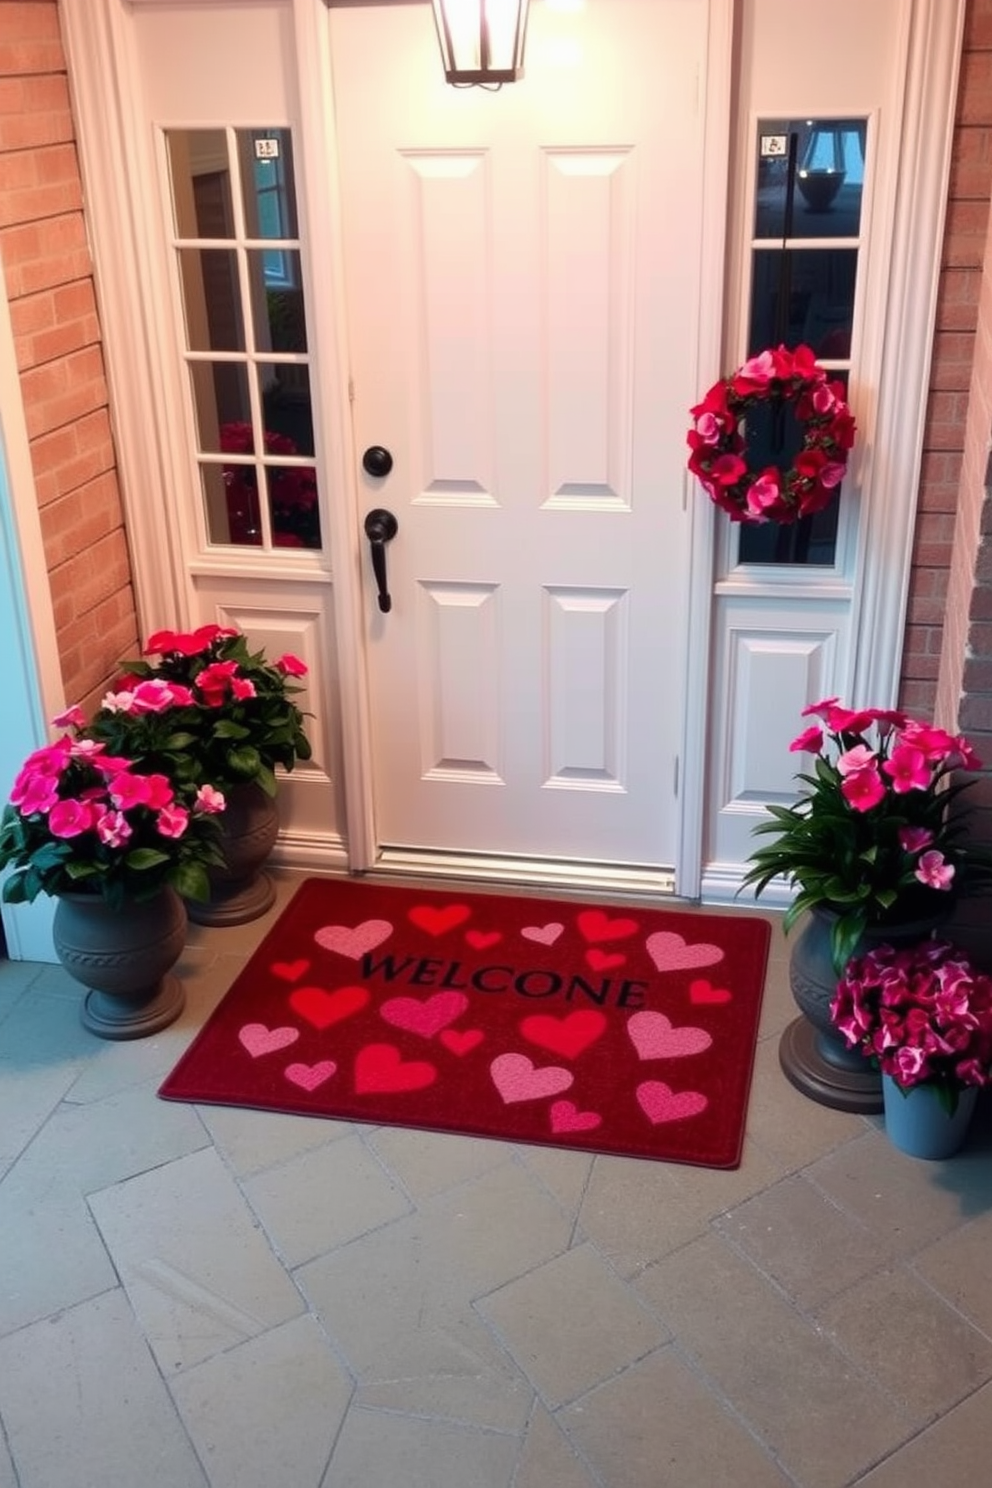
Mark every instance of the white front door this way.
pixel 522 278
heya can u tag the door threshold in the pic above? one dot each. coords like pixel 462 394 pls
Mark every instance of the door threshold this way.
pixel 544 873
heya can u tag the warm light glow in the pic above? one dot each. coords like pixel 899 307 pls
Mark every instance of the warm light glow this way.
pixel 482 41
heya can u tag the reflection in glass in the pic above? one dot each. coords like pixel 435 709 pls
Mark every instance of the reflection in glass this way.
pixel 285 395
pixel 804 297
pixel 220 400
pixel 826 158
pixel 293 506
pixel 201 183
pixel 277 308
pixel 230 500
pixel 211 299
pixel 266 159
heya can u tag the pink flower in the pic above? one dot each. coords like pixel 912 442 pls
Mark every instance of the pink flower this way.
pixel 909 1066
pixel 113 828
pixel 727 470
pixel 709 427
pixel 858 758
pixel 118 702
pixel 172 821
pixel 72 718
pixel 209 802
pixel 127 790
pixel 214 682
pixel 863 789
pixel 848 721
pixel 160 792
pixel 914 839
pixel 820 709
pixel 290 666
pixel 933 871
pixel 832 474
pixel 151 696
pixel 908 769
pixel 763 493
pixel 70 818
pixel 35 790
pixel 242 687
pixel 810 741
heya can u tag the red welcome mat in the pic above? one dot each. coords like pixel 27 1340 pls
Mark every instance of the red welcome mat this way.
pixel 534 1020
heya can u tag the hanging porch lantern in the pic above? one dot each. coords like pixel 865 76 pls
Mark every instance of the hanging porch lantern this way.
pixel 482 41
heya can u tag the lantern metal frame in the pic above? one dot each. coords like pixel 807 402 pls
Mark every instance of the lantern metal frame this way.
pixel 486 75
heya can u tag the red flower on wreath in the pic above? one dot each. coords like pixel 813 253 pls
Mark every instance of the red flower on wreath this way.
pixel 780 376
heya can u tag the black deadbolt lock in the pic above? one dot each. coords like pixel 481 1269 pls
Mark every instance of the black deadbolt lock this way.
pixel 377 461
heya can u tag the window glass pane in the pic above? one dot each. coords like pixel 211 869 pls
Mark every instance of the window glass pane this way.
pixel 201 183
pixel 230 499
pixel 285 394
pixel 211 299
pixel 266 158
pixel 277 304
pixel 223 412
pixel 773 436
pixel 293 506
pixel 804 296
pixel 825 160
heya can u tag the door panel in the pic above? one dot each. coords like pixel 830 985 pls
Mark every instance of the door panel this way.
pixel 522 279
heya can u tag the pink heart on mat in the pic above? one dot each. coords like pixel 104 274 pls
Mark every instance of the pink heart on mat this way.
pixel 654 1037
pixel 353 940
pixel 309 1076
pixel 259 1040
pixel 516 1079
pixel 669 952
pixel 566 1117
pixel 660 1103
pixel 545 935
pixel 426 1018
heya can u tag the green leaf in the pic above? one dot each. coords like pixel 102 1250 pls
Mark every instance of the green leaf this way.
pixel 191 881
pixel 143 858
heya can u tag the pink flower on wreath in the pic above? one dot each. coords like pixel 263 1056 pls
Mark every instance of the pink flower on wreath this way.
pixel 934 871
pixel 908 769
pixel 172 821
pixel 832 474
pixel 863 789
pixel 727 470
pixel 765 492
pixel 914 839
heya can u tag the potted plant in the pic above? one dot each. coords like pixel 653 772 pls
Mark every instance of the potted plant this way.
pixel 233 716
pixel 117 844
pixel 923 1016
pixel 876 846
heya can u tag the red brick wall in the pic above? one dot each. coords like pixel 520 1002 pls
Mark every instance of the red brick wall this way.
pixel 49 281
pixel 951 374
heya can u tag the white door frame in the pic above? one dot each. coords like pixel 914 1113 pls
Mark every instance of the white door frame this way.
pixel 122 200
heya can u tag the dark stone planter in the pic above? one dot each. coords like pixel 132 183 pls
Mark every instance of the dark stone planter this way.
pixel 813 1055
pixel 240 890
pixel 124 956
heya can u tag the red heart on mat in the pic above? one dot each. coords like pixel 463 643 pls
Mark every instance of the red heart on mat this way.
pixel 604 960
pixel 567 1036
pixel 353 940
pixel 516 1079
pixel 594 926
pixel 653 1036
pixel 322 1009
pixel 670 952
pixel 259 1040
pixel 481 940
pixel 426 1018
pixel 380 1068
pixel 309 1076
pixel 702 992
pixel 566 1117
pixel 290 971
pixel 462 1040
pixel 660 1103
pixel 437 921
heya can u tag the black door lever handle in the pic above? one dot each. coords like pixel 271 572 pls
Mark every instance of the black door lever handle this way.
pixel 380 528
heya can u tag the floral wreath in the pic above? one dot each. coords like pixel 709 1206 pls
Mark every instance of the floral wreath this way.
pixel 718 446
